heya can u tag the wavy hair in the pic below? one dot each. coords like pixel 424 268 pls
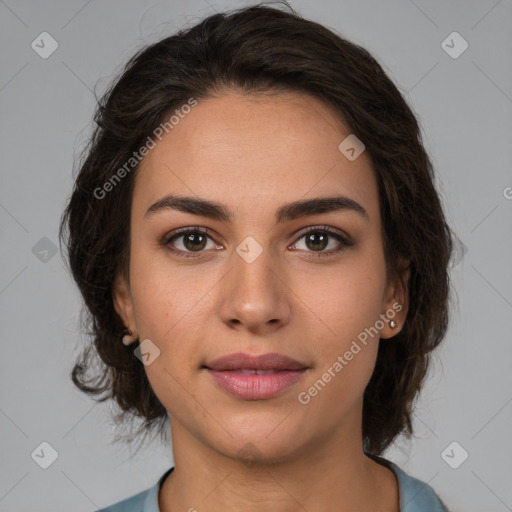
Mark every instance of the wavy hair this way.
pixel 257 50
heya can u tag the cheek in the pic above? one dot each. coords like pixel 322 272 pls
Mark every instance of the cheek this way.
pixel 167 303
pixel 163 294
pixel 345 357
pixel 346 298
pixel 171 306
pixel 347 307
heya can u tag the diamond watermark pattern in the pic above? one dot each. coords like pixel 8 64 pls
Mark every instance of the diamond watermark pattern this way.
pixel 249 453
pixel 44 45
pixel 147 352
pixel 44 455
pixel 454 455
pixel 44 250
pixel 249 249
pixel 351 147
pixel 459 251
pixel 454 45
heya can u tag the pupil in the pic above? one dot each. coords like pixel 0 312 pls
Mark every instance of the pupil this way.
pixel 323 241
pixel 189 241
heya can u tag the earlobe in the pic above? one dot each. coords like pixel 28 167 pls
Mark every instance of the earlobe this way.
pixel 393 319
pixel 397 303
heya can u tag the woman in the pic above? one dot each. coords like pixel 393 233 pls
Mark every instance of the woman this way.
pixel 263 255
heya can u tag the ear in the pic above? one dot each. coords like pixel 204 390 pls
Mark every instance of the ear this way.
pixel 396 301
pixel 123 303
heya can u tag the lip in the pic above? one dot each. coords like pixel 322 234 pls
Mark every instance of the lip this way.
pixel 238 374
pixel 270 361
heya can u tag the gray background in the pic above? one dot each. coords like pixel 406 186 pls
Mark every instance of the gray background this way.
pixel 46 105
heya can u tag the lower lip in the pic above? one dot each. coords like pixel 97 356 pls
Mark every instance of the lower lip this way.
pixel 253 386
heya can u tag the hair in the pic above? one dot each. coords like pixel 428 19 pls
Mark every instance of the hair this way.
pixel 259 50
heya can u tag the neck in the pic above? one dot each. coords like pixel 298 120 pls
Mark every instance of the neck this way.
pixel 332 471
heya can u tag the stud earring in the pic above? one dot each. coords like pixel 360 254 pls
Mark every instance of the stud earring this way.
pixel 393 324
pixel 128 337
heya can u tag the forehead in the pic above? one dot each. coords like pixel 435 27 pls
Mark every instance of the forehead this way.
pixel 255 153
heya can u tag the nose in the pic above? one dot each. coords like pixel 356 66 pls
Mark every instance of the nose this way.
pixel 254 295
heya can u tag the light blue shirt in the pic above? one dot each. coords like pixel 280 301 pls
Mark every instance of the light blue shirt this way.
pixel 415 495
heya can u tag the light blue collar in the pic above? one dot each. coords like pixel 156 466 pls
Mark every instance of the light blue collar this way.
pixel 415 495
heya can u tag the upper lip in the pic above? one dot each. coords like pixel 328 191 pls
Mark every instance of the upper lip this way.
pixel 241 361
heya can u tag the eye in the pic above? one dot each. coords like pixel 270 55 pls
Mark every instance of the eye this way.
pixel 187 241
pixel 318 238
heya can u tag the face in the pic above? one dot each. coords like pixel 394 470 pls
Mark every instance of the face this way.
pixel 258 277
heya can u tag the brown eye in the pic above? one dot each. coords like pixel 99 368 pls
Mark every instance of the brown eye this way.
pixel 187 241
pixel 317 240
pixel 194 241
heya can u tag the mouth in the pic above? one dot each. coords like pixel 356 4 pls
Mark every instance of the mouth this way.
pixel 263 362
pixel 249 377
pixel 247 371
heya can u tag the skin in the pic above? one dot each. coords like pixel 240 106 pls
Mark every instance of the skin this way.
pixel 254 154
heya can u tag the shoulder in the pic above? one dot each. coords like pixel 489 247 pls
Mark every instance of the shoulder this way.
pixel 415 495
pixel 145 501
pixel 132 504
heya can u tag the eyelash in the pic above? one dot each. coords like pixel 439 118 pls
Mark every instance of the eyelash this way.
pixel 166 241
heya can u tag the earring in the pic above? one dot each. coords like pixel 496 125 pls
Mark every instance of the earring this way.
pixel 393 324
pixel 128 337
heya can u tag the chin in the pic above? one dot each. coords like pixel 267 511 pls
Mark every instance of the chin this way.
pixel 254 453
pixel 258 444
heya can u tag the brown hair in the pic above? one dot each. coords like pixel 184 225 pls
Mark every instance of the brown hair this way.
pixel 256 50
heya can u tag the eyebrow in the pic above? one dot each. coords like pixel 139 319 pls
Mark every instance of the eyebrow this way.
pixel 287 212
